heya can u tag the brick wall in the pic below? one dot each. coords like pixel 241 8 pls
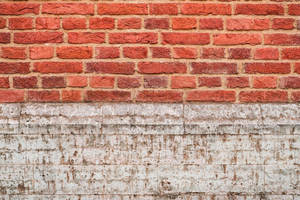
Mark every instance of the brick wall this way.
pixel 150 52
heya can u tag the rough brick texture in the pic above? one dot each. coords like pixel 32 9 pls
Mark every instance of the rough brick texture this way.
pixel 189 50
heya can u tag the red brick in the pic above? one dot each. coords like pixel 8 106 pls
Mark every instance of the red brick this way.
pixel 294 9
pixel 135 52
pixel 128 82
pixel 139 38
pixel 213 53
pixel 76 81
pixel 282 39
pixel 19 8
pixel 51 23
pixel 107 52
pixel 157 23
pixel 2 22
pixel 71 52
pixel 58 67
pixel 155 82
pixel 211 96
pixel 74 23
pixel 259 9
pixel 297 68
pixel 11 96
pixel 185 52
pixel 211 23
pixel 161 67
pixel 25 82
pixel 298 24
pixel 38 37
pixel 102 23
pixel 43 96
pixel 185 38
pixel 4 82
pixel 180 23
pixel 247 24
pixel 159 96
pixel 122 9
pixel 14 67
pixel 160 52
pixel 183 82
pixel 108 96
pixel 265 82
pixel 296 96
pixel 13 52
pixel 205 9
pixel 214 68
pixel 86 37
pixel 291 53
pixel 266 54
pixel 239 53
pixel 20 23
pixel 68 8
pixel 237 82
pixel 163 9
pixel 209 82
pixel 129 23
pixel 41 52
pixel 53 82
pixel 237 38
pixel 71 96
pixel 4 37
pixel 290 82
pixel 283 23
pixel 102 82
pixel 110 67
pixel 267 68
pixel 263 96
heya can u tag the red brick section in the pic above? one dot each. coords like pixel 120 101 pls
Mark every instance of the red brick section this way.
pixel 188 51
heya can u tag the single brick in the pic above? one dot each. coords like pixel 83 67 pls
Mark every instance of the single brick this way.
pixel 43 96
pixel 237 38
pixel 74 23
pixel 25 82
pixel 211 24
pixel 68 8
pixel 128 82
pixel 130 23
pixel 282 39
pixel 155 82
pixel 294 9
pixel 57 67
pixel 283 23
pixel 160 52
pixel 102 23
pixel 239 53
pixel 4 37
pixel 13 52
pixel 184 23
pixel 247 24
pixel 2 22
pixel 122 9
pixel 209 82
pixel 211 96
pixel 14 67
pixel 20 23
pixel 185 38
pixel 267 68
pixel 102 81
pixel 214 68
pixel 107 52
pixel 71 96
pixel 159 96
pixel 4 82
pixel 19 8
pixel 71 52
pixel 161 67
pixel 296 96
pixel 290 53
pixel 138 38
pixel 12 96
pixel 183 82
pixel 53 82
pixel 185 52
pixel 38 37
pixel 206 9
pixel 41 52
pixel 265 82
pixel 86 37
pixel 237 82
pixel 157 23
pixel 51 23
pixel 263 96
pixel 259 9
pixel 163 9
pixel 110 67
pixel 213 53
pixel 107 96
pixel 135 52
pixel 290 82
pixel 266 54
pixel 297 68
pixel 76 81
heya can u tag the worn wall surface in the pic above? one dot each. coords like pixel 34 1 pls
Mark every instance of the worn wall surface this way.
pixel 150 151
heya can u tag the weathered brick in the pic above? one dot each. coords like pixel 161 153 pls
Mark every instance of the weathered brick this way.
pixel 122 9
pixel 51 23
pixel 290 82
pixel 139 38
pixel 38 37
pixel 57 67
pixel 263 96
pixel 239 53
pixel 129 23
pixel 265 82
pixel 86 37
pixel 14 67
pixel 267 68
pixel 44 96
pixel 4 82
pixel 76 81
pixel 266 54
pixel 282 39
pixel 209 82
pixel 211 96
pixel 135 52
pixel 259 9
pixel 157 23
pixel 163 9
pixel 185 38
pixel 102 82
pixel 238 82
pixel 185 52
pixel 53 82
pixel 213 53
pixel 160 52
pixel 4 37
pixel 20 23
pixel 110 67
pixel 183 82
pixel 102 23
pixel 107 95
pixel 71 96
pixel 161 67
pixel 41 52
pixel 247 24
pixel 68 8
pixel 213 68
pixel 12 96
pixel 283 23
pixel 237 38
pixel 71 52
pixel 107 52
pixel 74 23
pixel 290 53
pixel 159 96
pixel 205 9
pixel 180 23
pixel 294 9
pixel 2 22
pixel 128 82
pixel 155 82
pixel 25 82
pixel 13 52
pixel 19 8
pixel 211 23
